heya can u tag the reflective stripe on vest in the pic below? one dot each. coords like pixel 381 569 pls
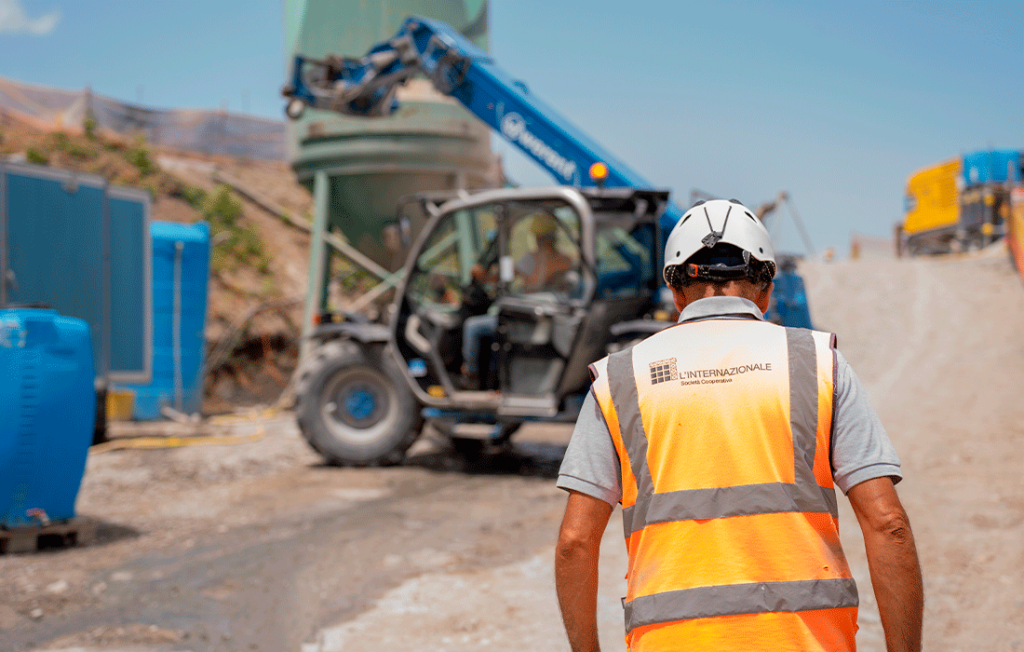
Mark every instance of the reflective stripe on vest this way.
pixel 777 381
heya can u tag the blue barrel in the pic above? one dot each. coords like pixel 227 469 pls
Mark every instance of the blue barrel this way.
pixel 181 268
pixel 47 410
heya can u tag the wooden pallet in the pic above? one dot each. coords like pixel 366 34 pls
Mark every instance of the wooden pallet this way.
pixel 55 535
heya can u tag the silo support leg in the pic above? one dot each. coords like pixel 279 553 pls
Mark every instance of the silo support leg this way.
pixel 317 259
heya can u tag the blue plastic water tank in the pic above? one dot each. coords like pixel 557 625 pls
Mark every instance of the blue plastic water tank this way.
pixel 47 409
pixel 181 268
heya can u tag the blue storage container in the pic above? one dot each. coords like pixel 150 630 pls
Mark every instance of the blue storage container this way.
pixel 991 166
pixel 47 409
pixel 181 267
pixel 80 246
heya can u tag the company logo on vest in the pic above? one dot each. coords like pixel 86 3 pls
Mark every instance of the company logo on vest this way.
pixel 663 371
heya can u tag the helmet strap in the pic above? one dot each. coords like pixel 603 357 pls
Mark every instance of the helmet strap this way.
pixel 718 272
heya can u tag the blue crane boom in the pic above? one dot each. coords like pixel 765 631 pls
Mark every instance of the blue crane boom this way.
pixel 367 86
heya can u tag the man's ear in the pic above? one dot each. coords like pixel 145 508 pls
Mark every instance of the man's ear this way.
pixel 764 297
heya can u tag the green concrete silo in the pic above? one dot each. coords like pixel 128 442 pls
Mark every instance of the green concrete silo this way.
pixel 367 164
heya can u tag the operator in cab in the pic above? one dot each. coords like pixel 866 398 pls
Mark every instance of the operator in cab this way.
pixel 544 268
pixel 723 437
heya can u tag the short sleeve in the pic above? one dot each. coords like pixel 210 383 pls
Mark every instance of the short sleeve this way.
pixel 861 449
pixel 591 465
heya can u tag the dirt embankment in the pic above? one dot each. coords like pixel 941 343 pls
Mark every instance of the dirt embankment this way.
pixel 938 344
pixel 255 310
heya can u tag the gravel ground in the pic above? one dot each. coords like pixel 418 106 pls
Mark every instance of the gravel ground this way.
pixel 257 546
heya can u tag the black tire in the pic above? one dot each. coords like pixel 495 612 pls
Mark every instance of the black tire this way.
pixel 353 406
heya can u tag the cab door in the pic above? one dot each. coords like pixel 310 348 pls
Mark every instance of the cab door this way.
pixel 545 286
pixel 436 297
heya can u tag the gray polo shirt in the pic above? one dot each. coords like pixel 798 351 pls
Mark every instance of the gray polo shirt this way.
pixel 861 449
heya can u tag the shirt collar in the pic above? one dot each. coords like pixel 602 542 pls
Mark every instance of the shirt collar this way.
pixel 710 307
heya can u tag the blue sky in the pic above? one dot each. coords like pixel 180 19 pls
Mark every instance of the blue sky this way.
pixel 836 103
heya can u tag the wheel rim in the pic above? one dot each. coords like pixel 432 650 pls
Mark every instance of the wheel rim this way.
pixel 355 402
pixel 360 403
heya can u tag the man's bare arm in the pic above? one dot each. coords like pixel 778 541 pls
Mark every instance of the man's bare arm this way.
pixel 892 559
pixel 576 557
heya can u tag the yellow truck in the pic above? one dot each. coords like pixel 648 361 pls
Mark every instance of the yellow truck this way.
pixel 959 204
pixel 932 210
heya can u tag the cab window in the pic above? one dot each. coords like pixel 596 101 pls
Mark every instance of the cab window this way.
pixel 624 260
pixel 544 251
pixel 444 267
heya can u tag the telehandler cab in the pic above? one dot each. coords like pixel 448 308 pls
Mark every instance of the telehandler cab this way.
pixel 364 393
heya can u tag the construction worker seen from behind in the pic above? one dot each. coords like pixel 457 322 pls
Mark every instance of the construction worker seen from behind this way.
pixel 722 436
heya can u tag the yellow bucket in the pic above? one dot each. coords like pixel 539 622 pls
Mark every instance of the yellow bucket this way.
pixel 120 404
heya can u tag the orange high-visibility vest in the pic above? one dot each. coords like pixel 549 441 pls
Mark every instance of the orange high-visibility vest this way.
pixel 723 429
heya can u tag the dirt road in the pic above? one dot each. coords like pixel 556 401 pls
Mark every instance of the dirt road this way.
pixel 259 547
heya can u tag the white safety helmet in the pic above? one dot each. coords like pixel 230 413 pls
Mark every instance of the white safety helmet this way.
pixel 706 225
